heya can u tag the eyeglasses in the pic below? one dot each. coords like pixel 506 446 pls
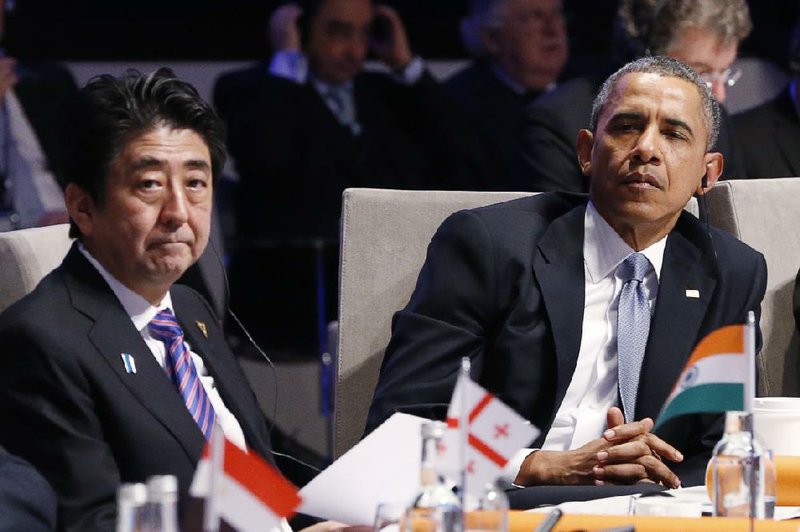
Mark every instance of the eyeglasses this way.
pixel 728 77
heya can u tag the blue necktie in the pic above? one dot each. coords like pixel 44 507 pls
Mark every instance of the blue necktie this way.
pixel 181 371
pixel 340 101
pixel 633 327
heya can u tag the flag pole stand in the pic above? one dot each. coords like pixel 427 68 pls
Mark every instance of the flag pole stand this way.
pixel 463 424
pixel 749 400
pixel 211 514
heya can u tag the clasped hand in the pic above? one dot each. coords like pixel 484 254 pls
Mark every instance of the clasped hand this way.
pixel 626 453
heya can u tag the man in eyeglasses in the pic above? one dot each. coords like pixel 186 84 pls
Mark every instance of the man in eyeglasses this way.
pixel 704 34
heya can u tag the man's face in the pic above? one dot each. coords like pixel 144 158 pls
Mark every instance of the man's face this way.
pixel 707 55
pixel 531 43
pixel 648 154
pixel 155 217
pixel 339 39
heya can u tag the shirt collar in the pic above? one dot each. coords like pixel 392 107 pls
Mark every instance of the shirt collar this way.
pixel 138 309
pixel 515 87
pixel 324 87
pixel 604 249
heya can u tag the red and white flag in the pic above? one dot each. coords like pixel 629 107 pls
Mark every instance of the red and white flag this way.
pixel 495 433
pixel 242 488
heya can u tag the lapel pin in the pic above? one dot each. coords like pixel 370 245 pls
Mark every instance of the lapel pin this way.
pixel 203 329
pixel 129 362
pixel 694 294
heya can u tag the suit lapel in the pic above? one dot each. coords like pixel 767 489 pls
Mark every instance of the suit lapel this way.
pixel 207 341
pixel 559 270
pixel 688 271
pixel 112 335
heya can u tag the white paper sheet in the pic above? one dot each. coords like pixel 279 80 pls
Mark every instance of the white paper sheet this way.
pixel 383 467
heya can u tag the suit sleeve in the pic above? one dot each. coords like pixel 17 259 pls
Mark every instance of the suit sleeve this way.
pixel 447 318
pixel 27 501
pixel 50 418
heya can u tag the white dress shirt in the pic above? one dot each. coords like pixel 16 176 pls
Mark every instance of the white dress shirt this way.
pixel 141 312
pixel 581 416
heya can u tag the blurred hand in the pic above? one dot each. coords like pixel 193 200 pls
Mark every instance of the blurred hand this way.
pixel 627 453
pixel 283 31
pixel 8 75
pixel 394 51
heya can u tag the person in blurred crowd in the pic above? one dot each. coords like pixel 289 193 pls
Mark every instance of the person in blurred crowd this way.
pixel 34 101
pixel 109 372
pixel 704 34
pixel 311 123
pixel 520 48
pixel 539 293
pixel 769 135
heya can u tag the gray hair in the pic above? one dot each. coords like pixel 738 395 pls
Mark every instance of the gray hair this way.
pixel 657 23
pixel 667 67
pixel 482 14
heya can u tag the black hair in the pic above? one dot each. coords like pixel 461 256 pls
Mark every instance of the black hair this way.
pixel 111 111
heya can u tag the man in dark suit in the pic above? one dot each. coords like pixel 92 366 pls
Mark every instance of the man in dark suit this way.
pixel 532 291
pixel 109 373
pixel 27 501
pixel 521 47
pixel 704 34
pixel 769 134
pixel 309 125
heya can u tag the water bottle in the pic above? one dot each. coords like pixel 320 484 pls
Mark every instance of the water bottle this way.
pixel 131 508
pixel 435 507
pixel 489 511
pixel 738 467
pixel 162 503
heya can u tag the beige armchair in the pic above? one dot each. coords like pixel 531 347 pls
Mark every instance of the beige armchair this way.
pixel 765 214
pixel 28 255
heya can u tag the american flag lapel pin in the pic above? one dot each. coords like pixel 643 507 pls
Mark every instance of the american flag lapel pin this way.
pixel 203 329
pixel 129 362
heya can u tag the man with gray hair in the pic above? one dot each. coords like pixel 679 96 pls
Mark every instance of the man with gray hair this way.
pixel 704 34
pixel 520 47
pixel 581 311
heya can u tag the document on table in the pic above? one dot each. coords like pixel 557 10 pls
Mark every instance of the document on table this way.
pixel 382 468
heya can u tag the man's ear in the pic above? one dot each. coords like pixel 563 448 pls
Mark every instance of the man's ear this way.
pixel 584 147
pixel 80 207
pixel 714 164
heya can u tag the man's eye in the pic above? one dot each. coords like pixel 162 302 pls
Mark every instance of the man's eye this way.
pixel 148 184
pixel 197 183
pixel 675 134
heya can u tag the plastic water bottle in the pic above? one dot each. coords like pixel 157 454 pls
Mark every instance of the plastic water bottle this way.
pixel 488 512
pixel 162 504
pixel 738 467
pixel 435 507
pixel 131 507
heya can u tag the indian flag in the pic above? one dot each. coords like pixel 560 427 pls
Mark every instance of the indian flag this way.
pixel 719 376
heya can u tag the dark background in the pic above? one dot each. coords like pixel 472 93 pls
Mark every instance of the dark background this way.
pixel 192 30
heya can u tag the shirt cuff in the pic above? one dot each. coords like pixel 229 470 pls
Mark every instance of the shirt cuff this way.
pixel 411 73
pixel 513 466
pixel 289 64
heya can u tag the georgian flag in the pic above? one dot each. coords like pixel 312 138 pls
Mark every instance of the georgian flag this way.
pixel 495 433
pixel 719 376
pixel 242 489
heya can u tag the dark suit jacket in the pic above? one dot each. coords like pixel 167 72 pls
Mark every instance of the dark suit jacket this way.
pixel 47 93
pixel 295 158
pixel 548 159
pixel 494 113
pixel 504 285
pixel 71 409
pixel 769 138
pixel 27 501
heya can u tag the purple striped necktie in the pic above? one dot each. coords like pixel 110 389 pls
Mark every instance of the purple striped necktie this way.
pixel 181 371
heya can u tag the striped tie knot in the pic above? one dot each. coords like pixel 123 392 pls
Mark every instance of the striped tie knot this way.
pixel 181 370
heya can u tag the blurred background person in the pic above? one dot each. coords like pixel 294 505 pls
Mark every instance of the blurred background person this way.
pixel 704 34
pixel 35 97
pixel 311 123
pixel 769 135
pixel 519 49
